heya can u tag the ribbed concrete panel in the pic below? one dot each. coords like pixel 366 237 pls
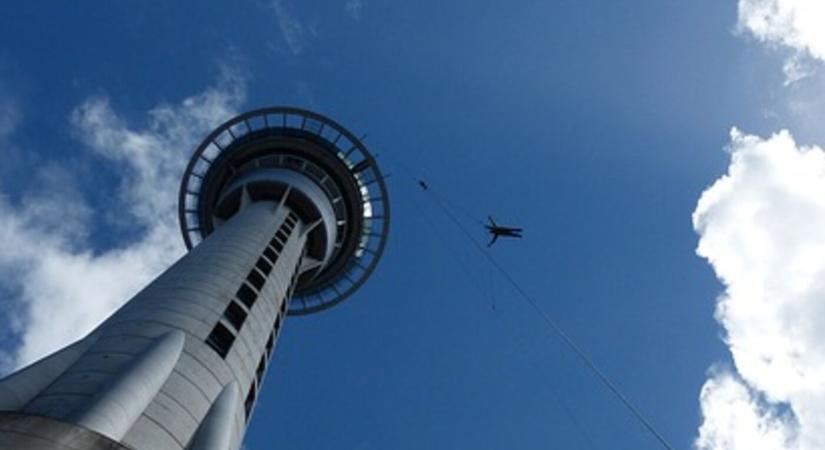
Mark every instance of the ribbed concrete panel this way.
pixel 147 434
pixel 123 344
pixel 26 432
pixel 172 417
pixel 56 405
pixel 78 382
pixel 116 407
pixel 215 431
pixel 148 329
pixel 190 298
pixel 205 369
pixel 206 358
pixel 197 400
pixel 20 388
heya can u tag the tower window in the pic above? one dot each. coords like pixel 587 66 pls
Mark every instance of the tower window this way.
pixel 235 315
pixel 263 265
pixel 246 295
pixel 250 400
pixel 256 279
pixel 271 255
pixel 270 344
pixel 220 339
pixel 277 325
pixel 259 373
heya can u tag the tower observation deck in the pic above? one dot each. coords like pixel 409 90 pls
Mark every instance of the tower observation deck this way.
pixel 285 213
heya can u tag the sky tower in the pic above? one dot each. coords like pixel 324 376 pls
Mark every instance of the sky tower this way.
pixel 285 212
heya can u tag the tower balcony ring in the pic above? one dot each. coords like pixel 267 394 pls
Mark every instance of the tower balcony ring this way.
pixel 318 147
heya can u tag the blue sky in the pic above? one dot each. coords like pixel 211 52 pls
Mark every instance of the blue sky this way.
pixel 595 125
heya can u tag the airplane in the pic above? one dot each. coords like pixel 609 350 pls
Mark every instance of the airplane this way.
pixel 498 230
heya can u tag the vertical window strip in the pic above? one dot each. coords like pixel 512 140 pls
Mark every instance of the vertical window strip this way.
pixel 250 400
pixel 259 372
pixel 221 338
pixel 276 327
pixel 270 344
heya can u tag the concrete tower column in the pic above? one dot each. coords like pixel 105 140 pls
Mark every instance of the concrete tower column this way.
pixel 279 212
pixel 156 366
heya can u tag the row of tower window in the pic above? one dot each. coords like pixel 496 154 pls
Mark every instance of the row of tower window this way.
pixel 221 338
pixel 254 386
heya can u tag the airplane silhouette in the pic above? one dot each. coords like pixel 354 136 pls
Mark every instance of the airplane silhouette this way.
pixel 498 230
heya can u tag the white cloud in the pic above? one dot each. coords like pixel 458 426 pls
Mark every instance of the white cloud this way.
pixel 64 287
pixel 796 68
pixel 353 8
pixel 736 419
pixel 795 24
pixel 762 228
pixel 291 28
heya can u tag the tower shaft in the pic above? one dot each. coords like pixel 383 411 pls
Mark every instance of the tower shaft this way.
pixel 180 364
pixel 274 203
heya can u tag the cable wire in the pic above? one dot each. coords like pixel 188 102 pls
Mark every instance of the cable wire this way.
pixel 555 326
pixel 577 350
pixel 563 406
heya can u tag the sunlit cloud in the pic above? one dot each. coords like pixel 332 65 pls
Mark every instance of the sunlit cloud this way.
pixel 62 286
pixel 762 228
pixel 793 24
pixel 292 30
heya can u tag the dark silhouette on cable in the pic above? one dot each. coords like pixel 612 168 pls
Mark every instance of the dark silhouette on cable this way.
pixel 498 230
pixel 450 210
